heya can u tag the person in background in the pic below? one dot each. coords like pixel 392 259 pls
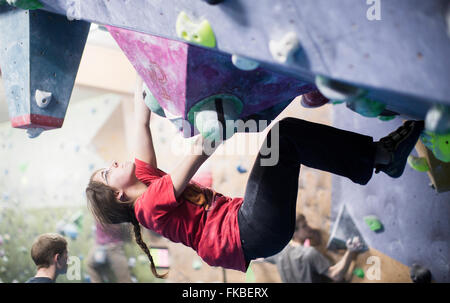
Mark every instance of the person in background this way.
pixel 420 274
pixel 299 262
pixel 107 256
pixel 49 253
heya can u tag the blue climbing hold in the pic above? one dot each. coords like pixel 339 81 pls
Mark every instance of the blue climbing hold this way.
pixel 241 169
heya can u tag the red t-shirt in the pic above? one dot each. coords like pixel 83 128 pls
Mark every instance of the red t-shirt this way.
pixel 200 219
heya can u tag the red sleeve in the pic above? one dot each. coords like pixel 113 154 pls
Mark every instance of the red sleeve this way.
pixel 145 172
pixel 158 199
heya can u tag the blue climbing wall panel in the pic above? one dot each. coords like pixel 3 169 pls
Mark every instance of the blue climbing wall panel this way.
pixel 39 51
pixel 402 59
pixel 415 217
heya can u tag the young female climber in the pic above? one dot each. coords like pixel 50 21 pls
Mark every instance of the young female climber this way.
pixel 230 232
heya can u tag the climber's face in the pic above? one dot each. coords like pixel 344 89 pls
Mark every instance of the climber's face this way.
pixel 117 175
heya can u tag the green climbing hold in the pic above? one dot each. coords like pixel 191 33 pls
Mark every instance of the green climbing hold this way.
pixel 23 167
pixel 77 219
pixel 199 33
pixel 250 275
pixel 373 222
pixel 359 272
pixel 418 163
pixel 152 103
pixel 386 118
pixel 24 4
pixel 366 107
pixel 196 264
pixel 438 144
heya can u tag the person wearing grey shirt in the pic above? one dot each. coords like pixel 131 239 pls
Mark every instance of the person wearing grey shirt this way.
pixel 297 263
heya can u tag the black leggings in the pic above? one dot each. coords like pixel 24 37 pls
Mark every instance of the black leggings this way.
pixel 267 216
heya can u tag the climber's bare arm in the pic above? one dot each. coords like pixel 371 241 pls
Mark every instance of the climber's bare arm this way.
pixel 145 151
pixel 189 166
pixel 143 143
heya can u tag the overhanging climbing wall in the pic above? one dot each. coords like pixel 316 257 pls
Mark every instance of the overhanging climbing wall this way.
pixel 390 52
pixel 402 59
pixel 185 78
pixel 415 217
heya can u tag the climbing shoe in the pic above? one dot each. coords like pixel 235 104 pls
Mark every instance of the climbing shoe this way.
pixel 400 144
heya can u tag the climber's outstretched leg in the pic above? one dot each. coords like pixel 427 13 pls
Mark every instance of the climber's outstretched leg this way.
pixel 267 216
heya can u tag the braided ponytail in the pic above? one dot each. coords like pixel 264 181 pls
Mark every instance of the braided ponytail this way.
pixel 144 247
pixel 107 209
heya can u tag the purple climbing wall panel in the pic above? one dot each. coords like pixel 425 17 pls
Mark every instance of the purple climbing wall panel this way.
pixel 414 216
pixel 180 75
pixel 212 72
pixel 160 62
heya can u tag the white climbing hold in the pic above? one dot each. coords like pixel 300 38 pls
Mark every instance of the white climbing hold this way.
pixel 337 91
pixel 43 98
pixel 437 119
pixel 151 102
pixel 73 10
pixel 142 259
pixel 284 49
pixel 132 262
pixel 206 117
pixel 208 125
pixel 34 132
pixel 244 63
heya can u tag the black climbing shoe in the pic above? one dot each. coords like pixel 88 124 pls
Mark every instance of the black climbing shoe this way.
pixel 400 144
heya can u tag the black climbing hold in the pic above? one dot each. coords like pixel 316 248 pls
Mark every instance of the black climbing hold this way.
pixel 220 115
pixel 420 274
pixel 213 2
